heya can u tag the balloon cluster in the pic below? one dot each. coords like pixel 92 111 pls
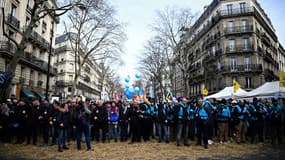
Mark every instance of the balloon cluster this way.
pixel 129 91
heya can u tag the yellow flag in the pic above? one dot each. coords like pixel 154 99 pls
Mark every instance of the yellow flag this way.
pixel 204 90
pixel 236 86
pixel 281 79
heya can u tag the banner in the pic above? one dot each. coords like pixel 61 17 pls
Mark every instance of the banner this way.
pixel 281 79
pixel 204 90
pixel 236 86
pixel 5 79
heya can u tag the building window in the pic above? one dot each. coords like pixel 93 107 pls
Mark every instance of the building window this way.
pixel 71 66
pixel 245 44
pixel 233 64
pixel 232 44
pixel 69 89
pixel 13 10
pixel 231 26
pixel 242 7
pixel 70 77
pixel 28 20
pixel 44 27
pixel 247 63
pixel 230 9
pixel 248 82
pixel 244 25
pixel 214 50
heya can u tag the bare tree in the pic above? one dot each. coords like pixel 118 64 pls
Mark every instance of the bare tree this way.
pixel 153 63
pixel 98 35
pixel 40 9
pixel 168 26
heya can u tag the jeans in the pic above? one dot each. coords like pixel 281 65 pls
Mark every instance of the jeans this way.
pixel 182 127
pixel 162 126
pixel 86 130
pixel 61 136
pixel 113 130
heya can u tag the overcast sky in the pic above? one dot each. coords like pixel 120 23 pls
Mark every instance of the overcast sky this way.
pixel 139 14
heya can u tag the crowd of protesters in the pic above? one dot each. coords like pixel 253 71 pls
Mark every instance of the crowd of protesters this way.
pixel 182 119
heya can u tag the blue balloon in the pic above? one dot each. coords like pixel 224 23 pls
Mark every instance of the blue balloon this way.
pixel 136 90
pixel 141 92
pixel 129 93
pixel 127 86
pixel 127 80
pixel 138 76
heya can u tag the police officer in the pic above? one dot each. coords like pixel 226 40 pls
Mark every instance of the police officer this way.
pixel 160 114
pixel 83 125
pixel 123 113
pixel 276 119
pixel 242 114
pixel 100 118
pixel 44 120
pixel 135 117
pixel 59 124
pixel 181 114
pixel 202 115
pixel 223 117
pixel 146 121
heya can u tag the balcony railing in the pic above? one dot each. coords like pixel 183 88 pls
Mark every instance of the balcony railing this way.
pixel 7 47
pixel 236 11
pixel 212 56
pixel 241 68
pixel 61 49
pixel 13 21
pixel 265 39
pixel 269 75
pixel 39 40
pixel 36 62
pixel 239 48
pixel 238 29
pixel 63 83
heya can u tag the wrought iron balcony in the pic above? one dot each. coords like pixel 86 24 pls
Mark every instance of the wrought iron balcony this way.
pixel 63 83
pixel 269 75
pixel 212 56
pixel 241 68
pixel 236 11
pixel 61 49
pixel 265 39
pixel 35 62
pixel 40 41
pixel 240 48
pixel 7 47
pixel 13 21
pixel 238 30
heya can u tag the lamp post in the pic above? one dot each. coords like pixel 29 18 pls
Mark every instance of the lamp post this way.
pixel 49 58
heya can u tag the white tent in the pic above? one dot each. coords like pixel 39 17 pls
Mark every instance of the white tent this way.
pixel 227 93
pixel 267 90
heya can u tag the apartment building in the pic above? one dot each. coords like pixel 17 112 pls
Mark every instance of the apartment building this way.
pixel 32 69
pixel 89 83
pixel 231 40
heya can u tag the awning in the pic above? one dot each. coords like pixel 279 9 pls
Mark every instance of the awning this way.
pixel 28 93
pixel 40 95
